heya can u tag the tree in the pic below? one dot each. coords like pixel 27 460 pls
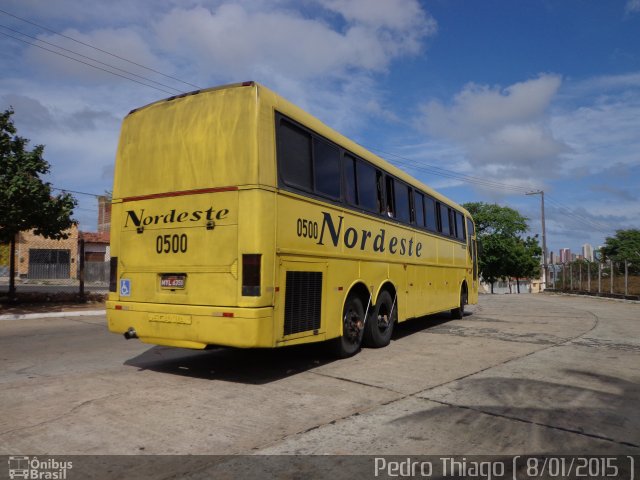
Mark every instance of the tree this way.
pixel 524 259
pixel 625 245
pixel 503 253
pixel 491 218
pixel 26 201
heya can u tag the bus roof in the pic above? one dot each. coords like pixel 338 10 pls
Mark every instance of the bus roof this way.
pixel 305 118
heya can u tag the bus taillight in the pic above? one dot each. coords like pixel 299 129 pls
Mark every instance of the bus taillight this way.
pixel 251 274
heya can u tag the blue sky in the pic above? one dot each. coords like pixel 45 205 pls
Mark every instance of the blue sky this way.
pixel 483 100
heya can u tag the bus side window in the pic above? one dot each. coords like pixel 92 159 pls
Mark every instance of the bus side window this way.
pixel 326 168
pixel 418 206
pixel 469 235
pixel 443 219
pixel 452 223
pixel 390 197
pixel 349 170
pixel 402 202
pixel 294 153
pixel 367 189
pixel 430 214
pixel 460 226
pixel 380 191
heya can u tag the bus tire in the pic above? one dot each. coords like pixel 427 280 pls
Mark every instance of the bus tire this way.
pixel 458 313
pixel 379 326
pixel 349 343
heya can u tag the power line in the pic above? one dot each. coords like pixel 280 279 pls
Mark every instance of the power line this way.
pixel 98 49
pixel 86 63
pixel 90 58
pixel 443 172
pixel 585 221
pixel 76 192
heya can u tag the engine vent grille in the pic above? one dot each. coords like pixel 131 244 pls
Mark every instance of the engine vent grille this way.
pixel 303 300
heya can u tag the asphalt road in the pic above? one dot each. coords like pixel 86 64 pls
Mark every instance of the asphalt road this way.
pixel 523 374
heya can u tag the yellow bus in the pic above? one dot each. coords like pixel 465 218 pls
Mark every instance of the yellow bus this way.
pixel 240 220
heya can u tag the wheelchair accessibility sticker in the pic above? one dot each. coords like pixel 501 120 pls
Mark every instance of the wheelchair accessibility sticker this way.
pixel 125 287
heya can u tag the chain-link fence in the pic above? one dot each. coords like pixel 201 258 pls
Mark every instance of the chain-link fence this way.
pixel 610 278
pixel 76 265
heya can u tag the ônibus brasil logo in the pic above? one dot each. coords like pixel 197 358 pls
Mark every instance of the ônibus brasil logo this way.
pixel 33 468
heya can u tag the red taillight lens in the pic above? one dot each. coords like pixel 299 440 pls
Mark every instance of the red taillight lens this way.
pixel 251 274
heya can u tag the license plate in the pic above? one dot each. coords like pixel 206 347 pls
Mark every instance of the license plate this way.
pixel 173 282
pixel 170 318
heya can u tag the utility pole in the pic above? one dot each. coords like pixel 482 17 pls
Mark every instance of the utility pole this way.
pixel 544 239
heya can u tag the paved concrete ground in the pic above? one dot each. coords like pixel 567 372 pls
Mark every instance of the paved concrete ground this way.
pixel 522 374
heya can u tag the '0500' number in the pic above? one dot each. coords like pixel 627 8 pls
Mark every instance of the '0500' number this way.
pixel 171 243
pixel 307 228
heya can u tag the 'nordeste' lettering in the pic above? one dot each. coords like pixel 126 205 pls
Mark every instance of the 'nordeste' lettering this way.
pixel 138 218
pixel 353 238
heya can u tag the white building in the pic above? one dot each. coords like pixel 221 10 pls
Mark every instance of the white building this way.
pixel 587 252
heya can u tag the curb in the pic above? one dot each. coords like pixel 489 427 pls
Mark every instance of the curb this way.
pixel 28 316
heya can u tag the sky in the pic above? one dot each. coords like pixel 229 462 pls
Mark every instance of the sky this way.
pixel 482 100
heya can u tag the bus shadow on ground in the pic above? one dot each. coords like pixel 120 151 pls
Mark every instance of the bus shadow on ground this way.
pixel 250 366
pixel 420 324
pixel 256 366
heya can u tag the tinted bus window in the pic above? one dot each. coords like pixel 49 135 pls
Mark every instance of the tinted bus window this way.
pixel 402 202
pixel 294 152
pixel 349 170
pixel 459 226
pixel 326 163
pixel 367 186
pixel 418 201
pixel 452 223
pixel 443 215
pixel 390 209
pixel 430 214
pixel 470 227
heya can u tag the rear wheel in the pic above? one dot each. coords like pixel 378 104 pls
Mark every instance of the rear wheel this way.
pixel 458 313
pixel 352 328
pixel 379 327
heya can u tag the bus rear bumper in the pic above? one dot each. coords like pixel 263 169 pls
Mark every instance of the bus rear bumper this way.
pixel 193 326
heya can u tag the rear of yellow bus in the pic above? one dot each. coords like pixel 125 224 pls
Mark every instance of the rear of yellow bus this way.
pixel 192 227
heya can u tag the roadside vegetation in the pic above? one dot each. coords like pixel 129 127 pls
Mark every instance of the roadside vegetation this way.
pixel 503 250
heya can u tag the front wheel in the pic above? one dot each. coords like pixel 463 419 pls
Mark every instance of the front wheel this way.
pixel 352 328
pixel 379 327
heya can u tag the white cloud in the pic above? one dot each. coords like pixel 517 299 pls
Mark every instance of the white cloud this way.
pixel 504 132
pixel 325 55
pixel 127 43
pixel 235 41
pixel 602 130
pixel 478 110
pixel 632 6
